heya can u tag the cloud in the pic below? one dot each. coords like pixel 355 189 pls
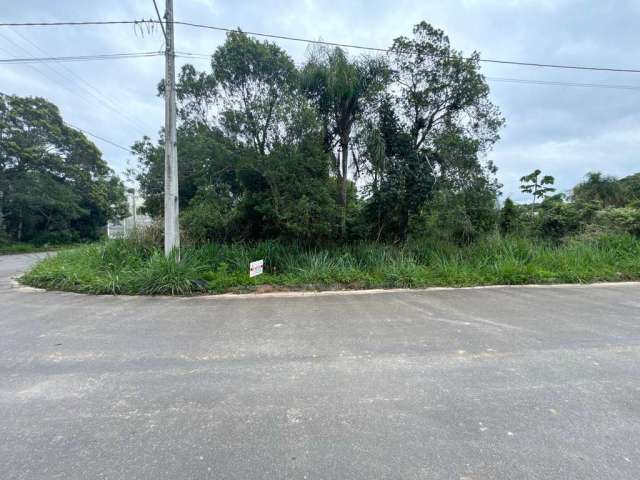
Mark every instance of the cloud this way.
pixel 565 131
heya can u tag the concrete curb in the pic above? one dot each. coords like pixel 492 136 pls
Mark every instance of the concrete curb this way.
pixel 15 284
pixel 322 293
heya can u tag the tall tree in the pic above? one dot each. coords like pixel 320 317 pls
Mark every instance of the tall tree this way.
pixel 440 89
pixel 54 183
pixel 400 182
pixel 439 112
pixel 253 161
pixel 257 80
pixel 339 88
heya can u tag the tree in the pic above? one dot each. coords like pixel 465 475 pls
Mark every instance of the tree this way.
pixel 257 80
pixel 208 158
pixel 258 169
pixel 289 196
pixel 508 217
pixel 340 88
pixel 559 218
pixel 55 185
pixel 268 148
pixel 606 190
pixel 537 186
pixel 631 185
pixel 443 123
pixel 439 89
pixel 400 182
pixel 196 93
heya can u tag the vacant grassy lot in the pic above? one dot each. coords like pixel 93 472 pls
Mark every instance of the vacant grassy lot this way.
pixel 128 267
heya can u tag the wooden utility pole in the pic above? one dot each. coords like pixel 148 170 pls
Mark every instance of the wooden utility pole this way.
pixel 171 204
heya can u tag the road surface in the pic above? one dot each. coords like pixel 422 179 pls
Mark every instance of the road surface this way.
pixel 498 383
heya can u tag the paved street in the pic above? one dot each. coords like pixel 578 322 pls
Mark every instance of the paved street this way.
pixel 498 383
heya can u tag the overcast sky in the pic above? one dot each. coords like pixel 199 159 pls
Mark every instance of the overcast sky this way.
pixel 565 131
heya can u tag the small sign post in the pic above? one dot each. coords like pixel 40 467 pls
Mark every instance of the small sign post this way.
pixel 255 268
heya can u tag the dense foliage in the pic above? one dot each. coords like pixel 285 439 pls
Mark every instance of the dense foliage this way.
pixel 344 149
pixel 599 204
pixel 54 185
pixel 341 173
pixel 339 149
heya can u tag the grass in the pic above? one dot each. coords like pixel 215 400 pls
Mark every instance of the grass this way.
pixel 11 248
pixel 129 267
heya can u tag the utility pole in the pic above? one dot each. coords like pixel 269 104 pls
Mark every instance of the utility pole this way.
pixel 133 208
pixel 171 205
pixel 131 203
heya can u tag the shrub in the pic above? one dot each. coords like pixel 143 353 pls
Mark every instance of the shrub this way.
pixel 460 218
pixel 557 219
pixel 624 219
pixel 150 236
pixel 209 217
pixel 509 220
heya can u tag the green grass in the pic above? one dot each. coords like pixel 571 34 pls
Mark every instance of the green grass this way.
pixel 14 248
pixel 129 267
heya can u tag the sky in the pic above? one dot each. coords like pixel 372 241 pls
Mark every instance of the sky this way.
pixel 564 131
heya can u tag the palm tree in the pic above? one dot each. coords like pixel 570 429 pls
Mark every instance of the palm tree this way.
pixel 339 88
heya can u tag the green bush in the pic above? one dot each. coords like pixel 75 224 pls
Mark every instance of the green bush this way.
pixel 209 217
pixel 626 220
pixel 557 219
pixel 460 218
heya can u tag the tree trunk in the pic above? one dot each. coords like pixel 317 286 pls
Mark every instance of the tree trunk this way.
pixel 343 185
pixel 533 206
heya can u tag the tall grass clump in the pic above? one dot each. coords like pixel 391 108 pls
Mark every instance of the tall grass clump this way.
pixel 135 266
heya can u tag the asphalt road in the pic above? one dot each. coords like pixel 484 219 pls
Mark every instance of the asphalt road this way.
pixel 499 383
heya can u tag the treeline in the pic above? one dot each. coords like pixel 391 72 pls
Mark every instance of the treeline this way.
pixel 336 150
pixel 599 204
pixel 339 148
pixel 54 185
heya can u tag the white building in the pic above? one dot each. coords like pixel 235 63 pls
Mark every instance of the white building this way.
pixel 135 220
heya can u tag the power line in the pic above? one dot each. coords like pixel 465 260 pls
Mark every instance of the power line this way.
pixel 493 79
pixel 306 40
pixel 90 133
pixel 41 72
pixel 99 137
pixel 82 92
pixel 554 65
pixel 563 84
pixel 387 50
pixel 79 58
pixel 78 23
pixel 110 103
pixel 281 37
pixel 204 56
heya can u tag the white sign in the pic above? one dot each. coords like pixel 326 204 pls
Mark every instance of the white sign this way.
pixel 255 268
